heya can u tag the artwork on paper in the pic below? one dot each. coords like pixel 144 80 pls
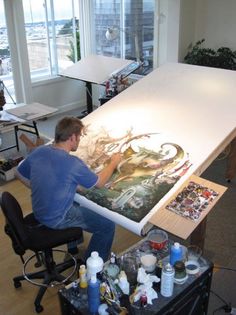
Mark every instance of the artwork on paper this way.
pixel 192 201
pixel 150 167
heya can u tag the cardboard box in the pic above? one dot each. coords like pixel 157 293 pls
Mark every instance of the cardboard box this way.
pixel 8 175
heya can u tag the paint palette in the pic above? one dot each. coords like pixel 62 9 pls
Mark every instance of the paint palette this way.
pixel 192 201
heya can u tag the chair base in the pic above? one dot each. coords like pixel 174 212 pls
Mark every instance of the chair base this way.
pixel 51 275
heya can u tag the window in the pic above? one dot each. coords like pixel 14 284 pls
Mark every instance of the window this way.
pixel 52 32
pixel 5 59
pixel 132 24
pixel 5 63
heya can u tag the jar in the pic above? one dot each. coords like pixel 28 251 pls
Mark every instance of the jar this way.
pixel 180 270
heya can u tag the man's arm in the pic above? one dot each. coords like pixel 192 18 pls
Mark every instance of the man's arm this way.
pixel 107 172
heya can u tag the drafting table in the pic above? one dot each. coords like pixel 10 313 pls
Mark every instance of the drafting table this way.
pixel 20 118
pixel 194 106
pixel 98 69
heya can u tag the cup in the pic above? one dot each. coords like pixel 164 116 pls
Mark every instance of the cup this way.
pixel 194 252
pixel 148 262
pixel 157 239
pixel 130 266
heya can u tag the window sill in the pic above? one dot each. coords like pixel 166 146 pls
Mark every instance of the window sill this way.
pixel 46 80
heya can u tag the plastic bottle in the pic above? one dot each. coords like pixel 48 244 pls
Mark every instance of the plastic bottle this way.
pixel 75 287
pixel 102 310
pixel 143 299
pixel 175 253
pixel 123 283
pixel 93 294
pixel 112 269
pixel 94 264
pixel 82 277
pixel 167 280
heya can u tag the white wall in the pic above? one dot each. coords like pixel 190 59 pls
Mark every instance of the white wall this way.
pixel 217 23
pixel 187 26
pixel 63 93
pixel 168 31
pixel 213 20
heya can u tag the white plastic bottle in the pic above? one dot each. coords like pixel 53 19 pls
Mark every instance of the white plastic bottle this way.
pixel 123 283
pixel 94 264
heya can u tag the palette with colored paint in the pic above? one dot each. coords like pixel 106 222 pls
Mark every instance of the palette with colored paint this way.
pixel 192 200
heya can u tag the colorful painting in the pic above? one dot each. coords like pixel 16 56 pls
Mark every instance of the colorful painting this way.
pixel 192 200
pixel 150 167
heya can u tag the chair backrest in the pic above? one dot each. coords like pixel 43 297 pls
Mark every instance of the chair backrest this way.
pixel 15 227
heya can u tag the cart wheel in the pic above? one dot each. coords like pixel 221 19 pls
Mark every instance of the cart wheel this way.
pixel 17 284
pixel 38 308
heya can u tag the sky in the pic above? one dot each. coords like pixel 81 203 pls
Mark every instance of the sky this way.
pixel 34 10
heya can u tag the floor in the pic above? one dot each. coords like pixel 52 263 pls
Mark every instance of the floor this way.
pixel 220 242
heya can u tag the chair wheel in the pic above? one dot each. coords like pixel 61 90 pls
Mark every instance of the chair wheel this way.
pixel 17 284
pixel 38 308
pixel 37 264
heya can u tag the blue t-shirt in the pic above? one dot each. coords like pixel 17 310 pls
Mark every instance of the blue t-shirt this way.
pixel 54 176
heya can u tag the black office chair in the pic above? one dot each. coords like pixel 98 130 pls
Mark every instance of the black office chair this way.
pixel 27 234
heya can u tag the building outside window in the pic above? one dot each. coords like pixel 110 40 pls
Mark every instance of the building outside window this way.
pixel 133 22
pixel 51 31
pixel 5 64
pixel 5 58
pixel 44 36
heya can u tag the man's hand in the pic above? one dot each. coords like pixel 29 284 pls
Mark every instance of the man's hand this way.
pixel 107 172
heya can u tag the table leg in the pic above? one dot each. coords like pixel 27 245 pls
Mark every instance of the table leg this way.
pixel 231 161
pixel 89 97
pixel 198 236
pixel 16 137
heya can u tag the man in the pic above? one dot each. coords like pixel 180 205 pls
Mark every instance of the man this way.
pixel 54 176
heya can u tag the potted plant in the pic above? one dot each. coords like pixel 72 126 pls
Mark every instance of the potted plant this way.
pixel 223 57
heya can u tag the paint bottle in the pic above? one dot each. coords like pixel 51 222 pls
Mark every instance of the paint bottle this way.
pixel 93 294
pixel 167 280
pixel 175 253
pixel 94 264
pixel 143 300
pixel 112 269
pixel 75 291
pixel 82 277
pixel 123 283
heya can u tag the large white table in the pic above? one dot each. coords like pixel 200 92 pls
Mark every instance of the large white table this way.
pixel 193 106
pixel 96 69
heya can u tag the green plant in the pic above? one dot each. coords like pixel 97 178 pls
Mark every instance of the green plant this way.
pixel 67 29
pixel 71 55
pixel 223 57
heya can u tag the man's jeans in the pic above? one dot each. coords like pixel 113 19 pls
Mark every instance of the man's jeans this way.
pixel 103 230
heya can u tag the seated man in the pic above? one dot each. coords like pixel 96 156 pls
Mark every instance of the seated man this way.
pixel 54 176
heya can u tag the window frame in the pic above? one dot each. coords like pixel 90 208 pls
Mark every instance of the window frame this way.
pixel 18 46
pixel 23 78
